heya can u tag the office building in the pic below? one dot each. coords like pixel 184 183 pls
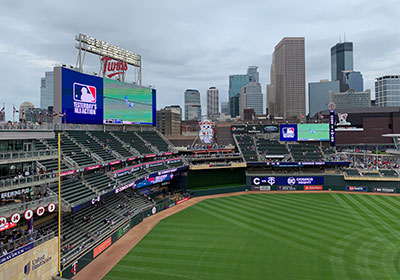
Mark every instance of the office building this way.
pixel 287 92
pixel 46 90
pixel 169 120
pixel 212 103
pixel 351 99
pixel 251 98
pixel 387 91
pixel 341 59
pixel 271 101
pixel 318 95
pixel 225 108
pixel 192 104
pixel 352 80
pixel 236 82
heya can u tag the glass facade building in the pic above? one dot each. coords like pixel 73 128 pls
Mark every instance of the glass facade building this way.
pixel 192 104
pixel 341 59
pixel 46 90
pixel 387 91
pixel 319 95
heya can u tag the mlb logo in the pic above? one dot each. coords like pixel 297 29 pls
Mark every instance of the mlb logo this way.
pixel 84 93
pixel 288 132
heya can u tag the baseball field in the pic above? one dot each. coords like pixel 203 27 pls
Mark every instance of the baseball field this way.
pixel 272 236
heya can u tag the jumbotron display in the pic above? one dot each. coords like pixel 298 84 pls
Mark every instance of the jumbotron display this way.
pixel 88 99
pixel 313 132
pixel 127 104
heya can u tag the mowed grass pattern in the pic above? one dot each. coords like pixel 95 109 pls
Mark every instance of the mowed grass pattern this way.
pixel 272 236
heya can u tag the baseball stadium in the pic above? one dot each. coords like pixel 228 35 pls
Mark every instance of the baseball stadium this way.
pixel 100 193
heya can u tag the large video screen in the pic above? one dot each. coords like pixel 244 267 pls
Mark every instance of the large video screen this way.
pixel 82 97
pixel 88 99
pixel 127 104
pixel 313 132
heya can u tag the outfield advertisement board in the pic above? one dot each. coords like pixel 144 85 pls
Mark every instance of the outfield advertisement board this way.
pixel 284 181
pixel 356 189
pixel 261 188
pixel 313 188
pixel 385 190
pixel 88 99
pixel 287 188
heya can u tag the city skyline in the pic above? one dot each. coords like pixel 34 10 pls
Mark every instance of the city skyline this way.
pixel 203 57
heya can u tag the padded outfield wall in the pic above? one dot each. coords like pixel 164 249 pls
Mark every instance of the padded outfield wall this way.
pixel 314 182
pixel 40 262
pixel 216 177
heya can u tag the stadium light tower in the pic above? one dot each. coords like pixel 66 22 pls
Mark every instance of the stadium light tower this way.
pixel 103 49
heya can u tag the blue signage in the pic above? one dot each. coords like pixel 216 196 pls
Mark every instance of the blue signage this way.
pixel 288 132
pixel 356 189
pixel 82 97
pixel 287 181
pixel 16 253
pixel 154 180
pixel 332 137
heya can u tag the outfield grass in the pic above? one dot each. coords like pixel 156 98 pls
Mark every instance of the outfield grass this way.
pixel 272 236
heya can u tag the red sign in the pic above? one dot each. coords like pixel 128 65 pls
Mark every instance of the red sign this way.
pixel 51 207
pixel 69 172
pixel 28 214
pixel 15 217
pixel 7 226
pixel 40 211
pixel 313 188
pixel 115 66
pixel 182 200
pixel 131 158
pixel 102 247
pixel 93 167
pixel 114 162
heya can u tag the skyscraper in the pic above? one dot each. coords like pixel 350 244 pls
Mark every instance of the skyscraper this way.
pixel 225 108
pixel 46 90
pixel 387 91
pixel 212 103
pixel 318 95
pixel 192 104
pixel 288 89
pixel 236 82
pixel 341 60
pixel 352 80
pixel 271 101
pixel 169 120
pixel 251 98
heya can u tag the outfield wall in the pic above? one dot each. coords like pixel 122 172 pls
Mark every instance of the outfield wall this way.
pixel 318 182
pixel 97 249
pixel 214 177
pixel 40 262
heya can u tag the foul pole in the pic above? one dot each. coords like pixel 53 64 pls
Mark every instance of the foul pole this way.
pixel 59 204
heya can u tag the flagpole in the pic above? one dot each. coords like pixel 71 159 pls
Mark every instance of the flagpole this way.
pixel 13 111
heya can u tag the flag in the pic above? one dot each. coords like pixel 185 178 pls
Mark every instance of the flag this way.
pixel 268 117
pixel 321 116
pixel 31 110
pixel 22 111
pixel 15 110
pixel 40 112
pixel 61 115
pixel 2 109
pixel 302 116
pixel 55 114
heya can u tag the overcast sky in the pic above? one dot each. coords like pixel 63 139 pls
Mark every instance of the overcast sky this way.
pixel 192 44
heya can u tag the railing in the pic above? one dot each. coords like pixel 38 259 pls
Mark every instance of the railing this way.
pixel 22 206
pixel 26 239
pixel 30 154
pixel 27 180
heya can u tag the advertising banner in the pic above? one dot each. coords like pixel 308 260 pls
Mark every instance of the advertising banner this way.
pixel 284 181
pixel 271 129
pixel 16 253
pixel 356 189
pixel 261 188
pixel 256 128
pixel 385 190
pixel 238 129
pixel 313 188
pixel 288 132
pixel 287 188
pixel 332 136
pixel 100 248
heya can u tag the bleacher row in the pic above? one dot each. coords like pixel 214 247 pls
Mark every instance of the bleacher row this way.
pixel 88 225
pixel 254 148
pixel 375 173
pixel 94 184
pixel 86 148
